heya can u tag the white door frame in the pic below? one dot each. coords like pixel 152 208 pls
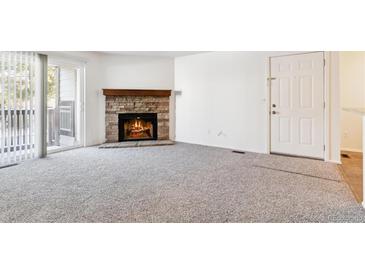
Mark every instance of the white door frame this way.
pixel 326 94
pixel 81 95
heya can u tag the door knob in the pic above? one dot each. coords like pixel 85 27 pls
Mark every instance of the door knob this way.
pixel 274 112
pixel 273 105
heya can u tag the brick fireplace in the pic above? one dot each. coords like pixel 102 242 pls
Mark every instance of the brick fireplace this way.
pixel 127 112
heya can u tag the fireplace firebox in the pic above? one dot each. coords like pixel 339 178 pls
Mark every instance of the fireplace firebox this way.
pixel 137 126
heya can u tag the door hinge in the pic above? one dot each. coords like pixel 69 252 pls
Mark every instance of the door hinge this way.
pixel 324 104
pixel 324 148
pixel 324 62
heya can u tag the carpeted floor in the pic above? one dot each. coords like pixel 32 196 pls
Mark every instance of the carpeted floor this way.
pixel 178 183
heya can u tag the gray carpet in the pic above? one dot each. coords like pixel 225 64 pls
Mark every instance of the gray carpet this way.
pixel 178 183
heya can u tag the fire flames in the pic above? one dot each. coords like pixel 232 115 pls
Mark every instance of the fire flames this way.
pixel 139 129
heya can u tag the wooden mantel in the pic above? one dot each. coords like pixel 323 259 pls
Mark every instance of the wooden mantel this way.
pixel 137 92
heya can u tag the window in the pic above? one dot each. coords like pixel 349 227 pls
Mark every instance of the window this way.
pixel 17 105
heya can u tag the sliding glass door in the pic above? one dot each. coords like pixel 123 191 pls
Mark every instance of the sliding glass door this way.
pixel 25 131
pixel 64 101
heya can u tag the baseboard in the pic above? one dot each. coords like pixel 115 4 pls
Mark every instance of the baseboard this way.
pixel 334 162
pixel 95 143
pixel 222 147
pixel 64 149
pixel 363 204
pixel 351 149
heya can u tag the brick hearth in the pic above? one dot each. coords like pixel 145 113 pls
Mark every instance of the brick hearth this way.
pixel 136 104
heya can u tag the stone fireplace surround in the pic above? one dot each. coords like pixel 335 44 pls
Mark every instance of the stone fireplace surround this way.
pixel 136 101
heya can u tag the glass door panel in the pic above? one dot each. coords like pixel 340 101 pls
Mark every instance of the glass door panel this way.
pixel 63 89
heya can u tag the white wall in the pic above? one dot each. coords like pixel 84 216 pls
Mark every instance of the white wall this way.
pixel 352 88
pixel 224 101
pixel 333 111
pixel 119 71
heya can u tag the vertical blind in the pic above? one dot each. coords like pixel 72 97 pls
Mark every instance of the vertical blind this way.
pixel 17 101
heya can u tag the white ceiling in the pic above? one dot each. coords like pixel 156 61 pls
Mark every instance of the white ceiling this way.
pixel 170 54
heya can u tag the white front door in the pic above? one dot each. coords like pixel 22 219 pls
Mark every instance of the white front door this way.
pixel 297 105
